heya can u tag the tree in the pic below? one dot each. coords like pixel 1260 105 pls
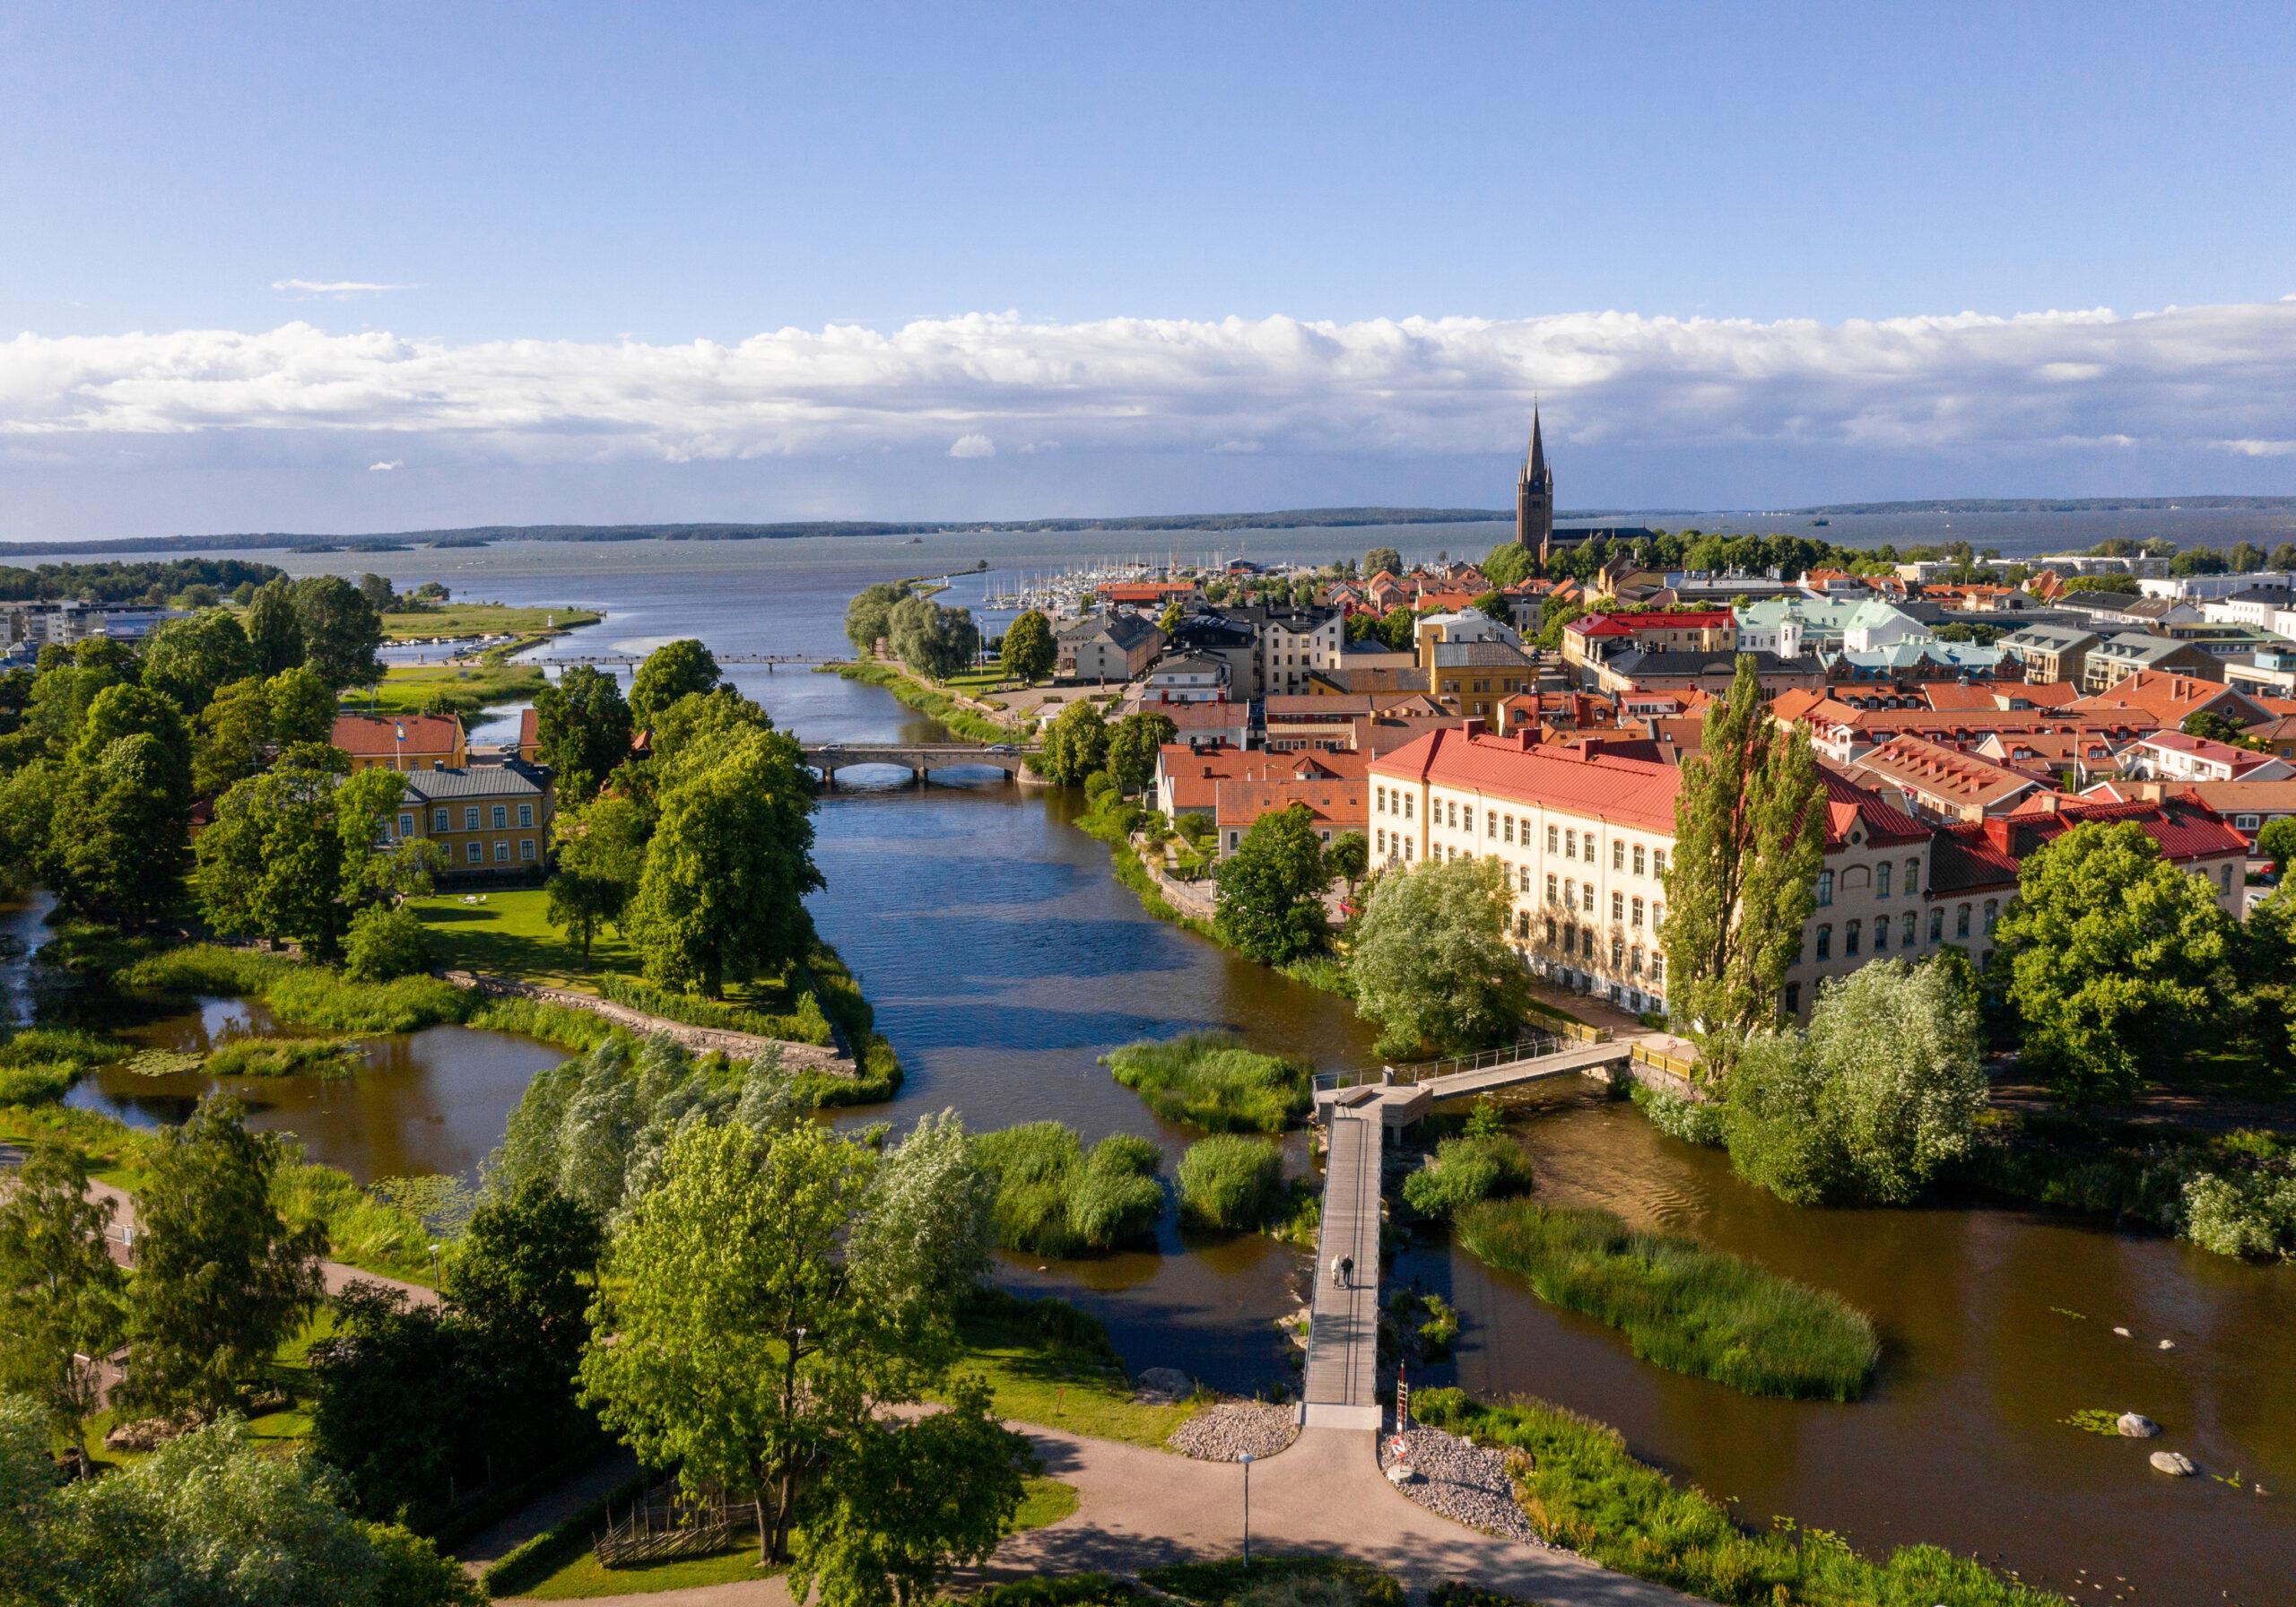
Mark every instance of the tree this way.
pixel 302 705
pixel 1348 857
pixel 376 590
pixel 221 1279
pixel 867 616
pixel 1132 746
pixel 769 1296
pixel 1510 563
pixel 671 672
pixel 1884 1087
pixel 728 867
pixel 60 1292
pixel 1491 605
pixel 128 709
pixel 2214 727
pixel 234 740
pixel 118 837
pixel 1382 558
pixel 275 630
pixel 1075 744
pixel 520 1284
pixel 1554 613
pixel 1029 651
pixel 936 642
pixel 342 631
pixel 702 723
pixel 365 803
pixel 2278 843
pixel 1431 963
pixel 601 857
pixel 1168 622
pixel 189 660
pixel 582 730
pixel 2116 959
pixel 393 1404
pixel 270 863
pixel 1271 889
pixel 1749 836
pixel 384 942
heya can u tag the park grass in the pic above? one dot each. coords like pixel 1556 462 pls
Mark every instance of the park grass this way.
pixel 1054 1199
pixel 1048 1363
pixel 465 689
pixel 1211 1080
pixel 1582 1490
pixel 1231 1181
pixel 457 621
pixel 511 936
pixel 914 692
pixel 1680 1305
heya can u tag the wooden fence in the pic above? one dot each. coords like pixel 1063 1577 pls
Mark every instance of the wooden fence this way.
pixel 665 1523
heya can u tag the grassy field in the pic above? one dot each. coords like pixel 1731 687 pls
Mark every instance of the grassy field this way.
pixel 511 935
pixel 582 1576
pixel 462 620
pixel 1680 1305
pixel 466 689
pixel 1049 1364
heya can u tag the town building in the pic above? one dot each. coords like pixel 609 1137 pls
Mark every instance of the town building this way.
pixel 2051 652
pixel 1592 635
pixel 2173 756
pixel 1296 642
pixel 2118 657
pixel 411 741
pixel 1929 780
pixel 1187 678
pixel 489 819
pixel 1105 647
pixel 1534 498
pixel 1476 677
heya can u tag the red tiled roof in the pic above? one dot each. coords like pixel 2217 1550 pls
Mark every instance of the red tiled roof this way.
pixel 376 735
pixel 1200 716
pixel 1339 804
pixel 1582 780
pixel 1849 805
pixel 2184 828
pixel 2170 698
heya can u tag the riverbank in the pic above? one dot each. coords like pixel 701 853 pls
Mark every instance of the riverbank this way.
pixel 964 716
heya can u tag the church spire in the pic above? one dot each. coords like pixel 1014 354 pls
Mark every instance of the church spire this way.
pixel 1535 495
pixel 1534 464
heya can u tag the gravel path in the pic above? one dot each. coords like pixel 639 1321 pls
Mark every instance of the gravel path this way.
pixel 1463 1482
pixel 1223 1433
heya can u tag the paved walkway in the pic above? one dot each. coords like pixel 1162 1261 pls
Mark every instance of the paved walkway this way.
pixel 1325 1497
pixel 1340 1389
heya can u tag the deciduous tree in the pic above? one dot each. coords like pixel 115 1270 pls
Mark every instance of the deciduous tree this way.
pixel 1133 743
pixel 275 632
pixel 188 660
pixel 671 671
pixel 935 641
pixel 1431 963
pixel 1382 558
pixel 1271 889
pixel 342 631
pixel 118 834
pixel 60 1291
pixel 601 857
pixel 868 615
pixel 1075 744
pixel 1028 651
pixel 582 730
pixel 1749 836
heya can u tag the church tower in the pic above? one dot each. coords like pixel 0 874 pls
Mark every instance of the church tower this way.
pixel 1534 497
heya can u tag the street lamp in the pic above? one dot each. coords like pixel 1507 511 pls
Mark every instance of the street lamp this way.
pixel 1246 1460
pixel 434 1265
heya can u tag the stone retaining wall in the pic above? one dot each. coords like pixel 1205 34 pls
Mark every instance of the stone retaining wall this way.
pixel 700 1040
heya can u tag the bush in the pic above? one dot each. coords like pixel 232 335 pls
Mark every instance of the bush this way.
pixel 1211 1080
pixel 2242 1213
pixel 1680 1305
pixel 1053 1200
pixel 313 996
pixel 1466 1169
pixel 1231 1181
pixel 805 1024
pixel 385 943
pixel 280 1057
pixel 1693 1121
pixel 1583 1491
pixel 37 1083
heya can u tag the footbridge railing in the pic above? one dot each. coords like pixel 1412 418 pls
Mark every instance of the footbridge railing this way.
pixel 1530 1047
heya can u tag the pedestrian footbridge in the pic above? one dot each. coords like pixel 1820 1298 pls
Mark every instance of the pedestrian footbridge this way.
pixel 1398 1096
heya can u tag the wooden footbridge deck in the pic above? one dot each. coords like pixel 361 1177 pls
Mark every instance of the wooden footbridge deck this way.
pixel 1401 1095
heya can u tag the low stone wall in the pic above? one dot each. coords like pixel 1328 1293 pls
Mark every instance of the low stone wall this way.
pixel 1195 899
pixel 700 1040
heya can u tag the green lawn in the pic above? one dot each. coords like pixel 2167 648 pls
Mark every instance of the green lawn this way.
pixel 1035 1379
pixel 1045 1501
pixel 408 688
pixel 481 618
pixel 510 935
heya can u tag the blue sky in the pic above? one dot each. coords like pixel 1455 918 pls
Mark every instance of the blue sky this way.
pixel 672 261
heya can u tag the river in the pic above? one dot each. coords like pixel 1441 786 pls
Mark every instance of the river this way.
pixel 1003 959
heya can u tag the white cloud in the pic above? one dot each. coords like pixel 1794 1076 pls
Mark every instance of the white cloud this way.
pixel 2257 448
pixel 341 289
pixel 2218 378
pixel 385 468
pixel 1229 449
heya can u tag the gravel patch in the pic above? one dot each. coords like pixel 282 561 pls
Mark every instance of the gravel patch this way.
pixel 1223 1433
pixel 1463 1482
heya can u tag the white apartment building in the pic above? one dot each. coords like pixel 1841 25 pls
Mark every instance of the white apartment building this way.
pixel 1294 643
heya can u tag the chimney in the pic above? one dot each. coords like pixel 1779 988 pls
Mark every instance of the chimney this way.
pixel 1590 749
pixel 1471 726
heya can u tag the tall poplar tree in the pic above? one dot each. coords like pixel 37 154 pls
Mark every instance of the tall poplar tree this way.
pixel 1749 835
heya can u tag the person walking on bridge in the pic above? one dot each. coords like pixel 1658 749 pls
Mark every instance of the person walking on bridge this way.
pixel 1342 1271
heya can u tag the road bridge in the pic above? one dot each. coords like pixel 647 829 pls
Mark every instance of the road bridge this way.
pixel 631 660
pixel 919 758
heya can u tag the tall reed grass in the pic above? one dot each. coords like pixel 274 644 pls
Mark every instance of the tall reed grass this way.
pixel 1211 1080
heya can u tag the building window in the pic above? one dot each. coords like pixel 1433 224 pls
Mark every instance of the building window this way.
pixel 2224 879
pixel 406 824
pixel 1510 829
pixel 1793 998
pixel 1992 914
pixel 1586 898
pixel 1380 801
pixel 1850 938
pixel 1882 880
pixel 1634 960
pixel 1881 934
pixel 1912 877
pixel 1657 861
pixel 1523 874
pixel 501 817
pixel 1523 925
pixel 1906 932
pixel 1406 807
pixel 1232 841
pixel 525 814
pixel 526 849
pixel 1657 968
pixel 1638 915
pixel 438 818
pixel 1550 887
pixel 1549 931
pixel 2245 822
pixel 1469 827
pixel 1618 854
pixel 501 852
pixel 1961 921
pixel 1571 845
pixel 1637 859
pixel 470 817
pixel 1937 925
pixel 1550 836
pixel 1570 894
pixel 1618 906
pixel 1490 824
pixel 1825 944
pixel 1825 888
pixel 1618 955
pixel 475 853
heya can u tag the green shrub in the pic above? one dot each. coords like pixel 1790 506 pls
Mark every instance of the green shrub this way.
pixel 1052 1200
pixel 1466 1170
pixel 1231 1181
pixel 803 1024
pixel 312 996
pixel 1693 1121
pixel 384 944
pixel 1583 1491
pixel 1680 1305
pixel 35 1083
pixel 1277 1582
pixel 280 1057
pixel 2248 1213
pixel 1211 1080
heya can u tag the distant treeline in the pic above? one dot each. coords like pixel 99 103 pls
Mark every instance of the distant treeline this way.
pixel 2061 505
pixel 129 582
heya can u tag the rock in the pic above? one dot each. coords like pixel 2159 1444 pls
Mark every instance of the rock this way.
pixel 2136 1425
pixel 2123 1332
pixel 2175 1463
pixel 1161 1386
pixel 1402 1473
pixel 1465 1482
pixel 2168 1344
pixel 1228 1431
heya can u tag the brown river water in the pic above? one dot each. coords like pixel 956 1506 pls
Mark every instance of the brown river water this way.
pixel 1003 959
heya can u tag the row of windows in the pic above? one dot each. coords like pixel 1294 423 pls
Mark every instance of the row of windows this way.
pixel 1853 932
pixel 1626 960
pixel 475 852
pixel 1566 840
pixel 1881 881
pixel 442 815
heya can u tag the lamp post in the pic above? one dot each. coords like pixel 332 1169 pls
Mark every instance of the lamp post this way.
pixel 1246 1460
pixel 434 1265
